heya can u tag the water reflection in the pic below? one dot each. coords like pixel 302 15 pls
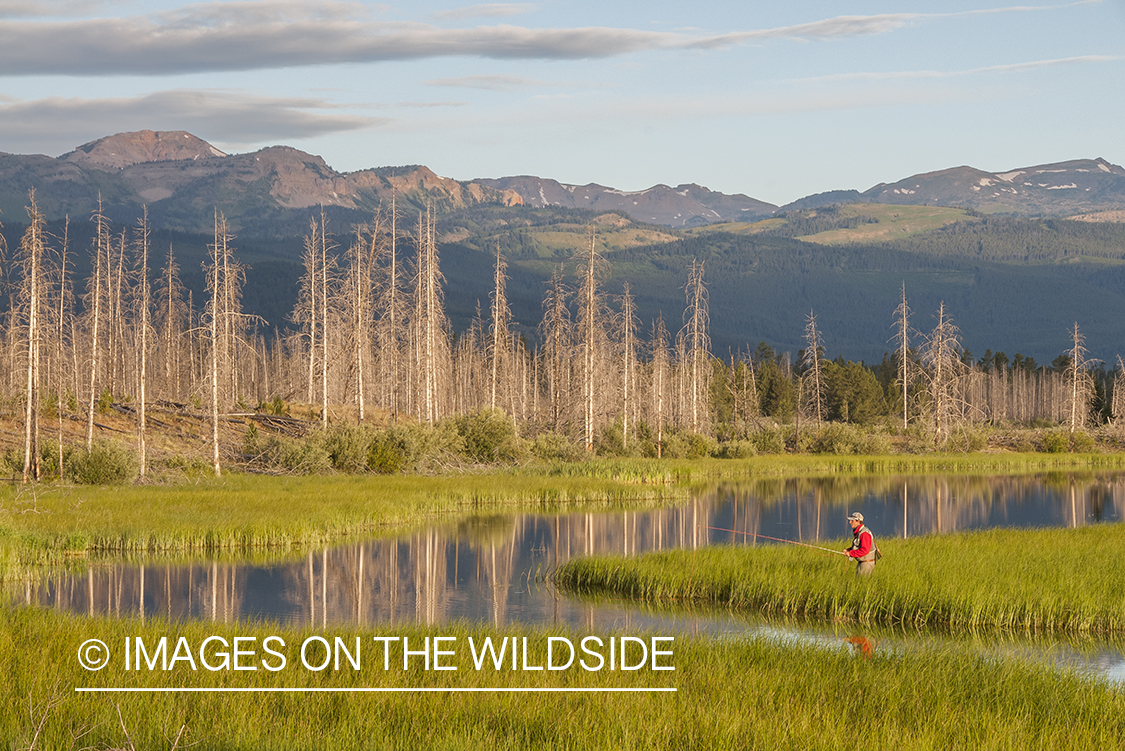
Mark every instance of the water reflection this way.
pixel 493 569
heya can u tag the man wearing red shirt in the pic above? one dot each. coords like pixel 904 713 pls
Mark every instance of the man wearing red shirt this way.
pixel 863 545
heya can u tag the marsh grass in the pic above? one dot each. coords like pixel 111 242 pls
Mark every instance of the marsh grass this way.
pixel 730 695
pixel 248 513
pixel 1036 580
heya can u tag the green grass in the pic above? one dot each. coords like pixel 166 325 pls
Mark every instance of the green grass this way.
pixel 730 695
pixel 49 524
pixel 892 222
pixel 1044 579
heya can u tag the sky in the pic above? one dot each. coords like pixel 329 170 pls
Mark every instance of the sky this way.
pixel 772 100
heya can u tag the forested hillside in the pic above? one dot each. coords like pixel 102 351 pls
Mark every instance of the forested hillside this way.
pixel 1011 284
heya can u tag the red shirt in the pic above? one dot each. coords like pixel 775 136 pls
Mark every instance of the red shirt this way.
pixel 865 542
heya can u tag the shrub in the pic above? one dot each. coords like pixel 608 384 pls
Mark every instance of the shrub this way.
pixel 768 440
pixel 967 439
pixel 1056 442
pixel 104 403
pixel 1082 442
pixel 348 447
pixel 490 438
pixel 304 456
pixel 687 445
pixel 385 455
pixel 553 447
pixel 411 447
pixel 737 449
pixel 105 463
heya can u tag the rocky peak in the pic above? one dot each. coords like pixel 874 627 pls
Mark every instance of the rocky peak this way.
pixel 125 149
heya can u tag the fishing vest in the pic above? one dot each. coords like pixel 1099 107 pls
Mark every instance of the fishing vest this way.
pixel 855 543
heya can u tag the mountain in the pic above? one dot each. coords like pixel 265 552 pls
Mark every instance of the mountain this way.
pixel 683 206
pixel 1080 186
pixel 182 179
pixel 126 149
pixel 271 192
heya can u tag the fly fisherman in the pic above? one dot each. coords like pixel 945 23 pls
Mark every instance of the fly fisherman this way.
pixel 863 545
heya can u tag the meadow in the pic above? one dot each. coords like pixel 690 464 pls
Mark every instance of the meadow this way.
pixel 1020 579
pixel 185 515
pixel 730 694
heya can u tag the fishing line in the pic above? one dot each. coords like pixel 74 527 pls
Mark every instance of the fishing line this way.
pixel 778 539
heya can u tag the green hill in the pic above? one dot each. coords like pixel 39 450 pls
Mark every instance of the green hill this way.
pixel 1011 284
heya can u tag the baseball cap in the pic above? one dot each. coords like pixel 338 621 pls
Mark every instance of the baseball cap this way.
pixel 856 516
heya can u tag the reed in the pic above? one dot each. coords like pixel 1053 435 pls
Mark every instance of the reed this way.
pixel 730 694
pixel 50 524
pixel 1038 580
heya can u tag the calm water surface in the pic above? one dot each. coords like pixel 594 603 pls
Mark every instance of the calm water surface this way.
pixel 492 569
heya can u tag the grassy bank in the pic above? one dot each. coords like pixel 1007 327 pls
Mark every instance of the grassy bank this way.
pixel 729 695
pixel 50 523
pixel 1050 579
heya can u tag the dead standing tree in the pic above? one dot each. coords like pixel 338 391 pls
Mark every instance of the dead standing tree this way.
pixel 942 357
pixel 628 327
pixel 30 300
pixel 499 344
pixel 355 304
pixel 697 345
pixel 142 302
pixel 225 325
pixel 1078 379
pixel 902 339
pixel 660 379
pixel 433 364
pixel 94 305
pixel 555 330
pixel 172 322
pixel 592 268
pixel 814 377
pixel 390 316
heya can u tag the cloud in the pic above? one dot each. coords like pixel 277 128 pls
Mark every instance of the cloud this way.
pixel 485 10
pixel 44 8
pixel 430 105
pixel 487 83
pixel 899 75
pixel 264 34
pixel 57 124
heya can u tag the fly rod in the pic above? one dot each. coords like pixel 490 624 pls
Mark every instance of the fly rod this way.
pixel 778 539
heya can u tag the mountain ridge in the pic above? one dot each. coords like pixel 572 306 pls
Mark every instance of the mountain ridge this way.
pixel 182 178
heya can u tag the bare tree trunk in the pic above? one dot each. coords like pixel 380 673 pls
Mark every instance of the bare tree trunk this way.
pixel 813 345
pixel 1079 379
pixel 698 342
pixel 555 331
pixel 628 358
pixel 501 318
pixel 659 378
pixel 902 337
pixel 31 259
pixel 61 337
pixel 143 233
pixel 592 267
pixel 101 247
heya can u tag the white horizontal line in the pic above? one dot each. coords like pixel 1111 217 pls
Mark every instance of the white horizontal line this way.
pixel 169 689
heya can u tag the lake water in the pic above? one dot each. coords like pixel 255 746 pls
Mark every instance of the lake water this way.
pixel 493 569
